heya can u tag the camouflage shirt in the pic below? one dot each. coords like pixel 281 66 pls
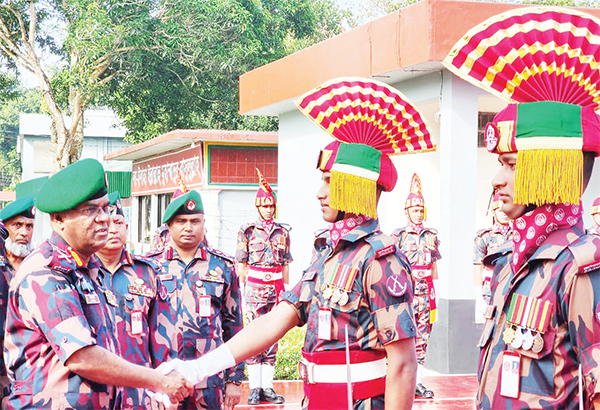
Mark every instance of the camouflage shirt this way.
pixel 257 247
pixel 6 273
pixel 486 241
pixel 421 249
pixel 595 230
pixel 375 317
pixel 135 290
pixel 565 271
pixel 54 310
pixel 180 331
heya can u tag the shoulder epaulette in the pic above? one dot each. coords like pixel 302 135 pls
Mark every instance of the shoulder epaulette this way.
pixel 153 263
pixel 381 243
pixel 482 231
pixel 220 254
pixel 247 226
pixel 492 257
pixel 61 261
pixel 583 252
pixel 432 230
pixel 284 226
pixel 153 253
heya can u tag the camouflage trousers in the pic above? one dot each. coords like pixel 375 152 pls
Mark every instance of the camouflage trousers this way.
pixel 260 299
pixel 372 403
pixel 422 317
pixel 210 398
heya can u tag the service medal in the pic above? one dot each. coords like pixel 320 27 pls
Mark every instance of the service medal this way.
pixel 538 343
pixel 335 297
pixel 518 340
pixel 328 292
pixel 343 299
pixel 509 335
pixel 323 287
pixel 527 340
pixel 111 299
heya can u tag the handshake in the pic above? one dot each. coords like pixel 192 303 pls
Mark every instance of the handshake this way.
pixel 193 371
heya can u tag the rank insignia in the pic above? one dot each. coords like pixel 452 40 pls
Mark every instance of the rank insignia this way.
pixel 111 299
pixel 162 292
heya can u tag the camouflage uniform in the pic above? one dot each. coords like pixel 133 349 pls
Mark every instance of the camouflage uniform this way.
pixel 421 249
pixel 135 289
pixel 259 248
pixel 565 271
pixel 54 310
pixel 374 316
pixel 486 241
pixel 180 332
pixel 595 230
pixel 7 272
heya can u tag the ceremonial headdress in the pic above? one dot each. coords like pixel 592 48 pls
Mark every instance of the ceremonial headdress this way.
pixel 544 61
pixel 596 206
pixel 369 121
pixel 415 195
pixel 265 195
pixel 22 206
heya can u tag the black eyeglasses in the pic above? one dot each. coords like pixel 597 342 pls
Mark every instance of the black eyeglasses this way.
pixel 94 211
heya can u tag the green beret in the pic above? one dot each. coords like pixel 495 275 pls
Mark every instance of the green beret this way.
pixel 79 182
pixel 22 206
pixel 187 204
pixel 115 199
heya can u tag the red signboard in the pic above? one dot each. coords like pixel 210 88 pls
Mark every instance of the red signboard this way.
pixel 158 175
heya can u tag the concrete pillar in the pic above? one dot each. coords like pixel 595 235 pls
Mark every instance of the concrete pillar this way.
pixel 452 347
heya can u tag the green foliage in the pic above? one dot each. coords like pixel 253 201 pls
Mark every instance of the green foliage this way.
pixel 289 354
pixel 188 77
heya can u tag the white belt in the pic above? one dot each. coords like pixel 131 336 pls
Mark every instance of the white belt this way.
pixel 421 273
pixel 264 276
pixel 337 373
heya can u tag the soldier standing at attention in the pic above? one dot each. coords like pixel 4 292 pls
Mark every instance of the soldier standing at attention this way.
pixel 132 280
pixel 263 257
pixel 540 346
pixel 18 218
pixel 595 229
pixel 60 348
pixel 486 241
pixel 420 245
pixel 357 292
pixel 198 308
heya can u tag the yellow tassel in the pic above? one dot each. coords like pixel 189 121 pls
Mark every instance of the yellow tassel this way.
pixel 548 176
pixel 353 194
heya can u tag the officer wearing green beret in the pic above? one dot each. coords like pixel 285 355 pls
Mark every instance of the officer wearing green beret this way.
pixel 198 308
pixel 61 343
pixel 18 218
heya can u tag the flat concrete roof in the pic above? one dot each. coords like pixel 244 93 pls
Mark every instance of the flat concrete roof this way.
pixel 406 43
pixel 177 139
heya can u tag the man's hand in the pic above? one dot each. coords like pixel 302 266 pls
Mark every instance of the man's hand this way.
pixel 233 395
pixel 175 386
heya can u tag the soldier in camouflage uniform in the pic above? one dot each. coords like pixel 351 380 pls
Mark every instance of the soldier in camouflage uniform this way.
pixel 595 229
pixel 132 280
pixel 61 349
pixel 486 241
pixel 263 257
pixel 540 346
pixel 18 218
pixel 420 245
pixel 198 308
pixel 357 291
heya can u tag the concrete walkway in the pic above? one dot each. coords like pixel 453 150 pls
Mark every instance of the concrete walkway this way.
pixel 452 392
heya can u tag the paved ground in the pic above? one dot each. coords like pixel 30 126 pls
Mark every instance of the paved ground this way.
pixel 452 392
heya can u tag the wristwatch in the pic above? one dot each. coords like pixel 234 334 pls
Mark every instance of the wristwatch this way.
pixel 236 382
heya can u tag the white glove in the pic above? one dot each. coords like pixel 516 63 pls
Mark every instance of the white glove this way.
pixel 199 369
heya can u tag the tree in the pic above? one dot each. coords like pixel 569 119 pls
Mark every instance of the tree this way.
pixel 192 81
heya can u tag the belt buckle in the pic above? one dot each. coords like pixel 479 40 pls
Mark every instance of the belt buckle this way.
pixel 267 277
pixel 306 371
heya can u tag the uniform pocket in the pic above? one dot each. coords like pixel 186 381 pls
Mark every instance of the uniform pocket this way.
pixel 537 369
